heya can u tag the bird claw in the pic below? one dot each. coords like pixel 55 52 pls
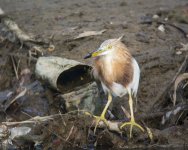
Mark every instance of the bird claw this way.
pixel 98 119
pixel 131 123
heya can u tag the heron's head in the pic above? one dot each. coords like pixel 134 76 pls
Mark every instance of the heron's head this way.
pixel 105 48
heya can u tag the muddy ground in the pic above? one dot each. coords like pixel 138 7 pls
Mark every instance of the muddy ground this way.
pixel 157 52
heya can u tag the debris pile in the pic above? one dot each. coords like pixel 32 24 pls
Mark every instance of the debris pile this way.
pixel 47 101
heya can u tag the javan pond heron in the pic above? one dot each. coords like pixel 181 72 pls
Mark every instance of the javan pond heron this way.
pixel 118 73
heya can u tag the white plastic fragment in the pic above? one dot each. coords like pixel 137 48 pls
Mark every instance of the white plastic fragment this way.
pixel 19 131
pixel 170 113
pixel 178 52
pixel 161 28
pixel 177 110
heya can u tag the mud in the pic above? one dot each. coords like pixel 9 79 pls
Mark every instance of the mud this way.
pixel 154 50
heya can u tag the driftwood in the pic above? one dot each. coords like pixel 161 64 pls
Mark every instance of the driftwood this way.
pixel 161 98
pixel 18 33
pixel 9 30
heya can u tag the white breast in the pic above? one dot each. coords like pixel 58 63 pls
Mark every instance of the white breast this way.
pixel 119 90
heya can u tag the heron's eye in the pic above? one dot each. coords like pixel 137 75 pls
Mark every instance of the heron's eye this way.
pixel 109 47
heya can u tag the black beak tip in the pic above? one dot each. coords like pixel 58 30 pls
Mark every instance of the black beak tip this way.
pixel 87 56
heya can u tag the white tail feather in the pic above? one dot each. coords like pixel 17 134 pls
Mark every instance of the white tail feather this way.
pixel 136 77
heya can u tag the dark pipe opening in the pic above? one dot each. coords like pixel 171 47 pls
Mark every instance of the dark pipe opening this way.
pixel 73 78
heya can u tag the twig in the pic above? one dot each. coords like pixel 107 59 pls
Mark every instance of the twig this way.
pixel 22 93
pixel 49 117
pixel 156 146
pixel 62 119
pixel 18 55
pixel 125 112
pixel 36 119
pixel 14 66
pixel 71 130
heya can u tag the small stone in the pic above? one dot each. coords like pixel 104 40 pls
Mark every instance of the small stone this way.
pixel 147 19
pixel 142 37
pixel 166 19
pixel 155 17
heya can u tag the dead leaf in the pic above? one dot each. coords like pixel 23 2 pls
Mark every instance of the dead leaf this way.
pixel 89 33
pixel 19 131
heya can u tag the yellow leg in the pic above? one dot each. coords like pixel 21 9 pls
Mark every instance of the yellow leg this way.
pixel 102 117
pixel 132 122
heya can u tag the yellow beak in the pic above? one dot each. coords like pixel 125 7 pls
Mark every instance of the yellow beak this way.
pixel 96 53
pixel 93 54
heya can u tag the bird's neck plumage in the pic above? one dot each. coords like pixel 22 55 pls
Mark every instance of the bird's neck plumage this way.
pixel 116 66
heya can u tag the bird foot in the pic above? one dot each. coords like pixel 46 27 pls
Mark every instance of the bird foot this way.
pixel 131 123
pixel 98 119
